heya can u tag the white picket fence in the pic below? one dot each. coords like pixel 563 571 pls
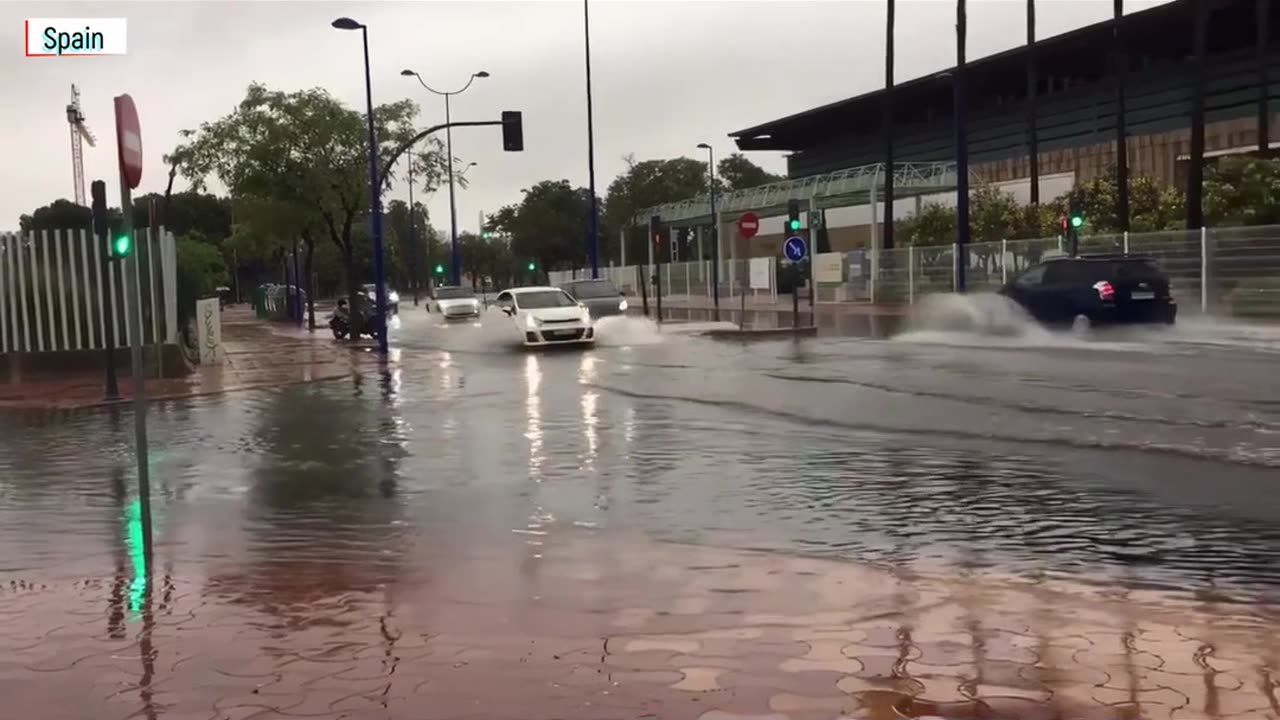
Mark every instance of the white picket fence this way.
pixel 55 288
pixel 1232 270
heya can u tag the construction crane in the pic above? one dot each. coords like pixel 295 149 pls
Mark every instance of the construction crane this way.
pixel 80 134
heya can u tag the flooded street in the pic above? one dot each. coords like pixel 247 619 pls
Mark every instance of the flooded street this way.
pixel 1142 463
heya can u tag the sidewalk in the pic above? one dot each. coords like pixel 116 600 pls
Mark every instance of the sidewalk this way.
pixel 600 627
pixel 257 354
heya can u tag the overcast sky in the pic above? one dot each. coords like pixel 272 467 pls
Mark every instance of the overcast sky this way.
pixel 667 75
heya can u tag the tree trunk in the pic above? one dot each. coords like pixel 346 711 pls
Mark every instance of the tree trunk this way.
pixel 309 242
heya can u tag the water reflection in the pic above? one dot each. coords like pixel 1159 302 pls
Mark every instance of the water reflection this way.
pixel 590 419
pixel 324 515
pixel 533 416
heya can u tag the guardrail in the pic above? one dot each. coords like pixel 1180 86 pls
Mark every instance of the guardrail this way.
pixel 1228 271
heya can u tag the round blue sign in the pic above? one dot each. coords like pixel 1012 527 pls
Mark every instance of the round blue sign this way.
pixel 794 248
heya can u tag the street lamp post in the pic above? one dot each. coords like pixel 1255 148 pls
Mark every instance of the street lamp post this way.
pixel 456 268
pixel 375 199
pixel 593 231
pixel 715 230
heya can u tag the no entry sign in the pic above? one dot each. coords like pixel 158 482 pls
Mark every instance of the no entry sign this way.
pixel 129 141
pixel 748 225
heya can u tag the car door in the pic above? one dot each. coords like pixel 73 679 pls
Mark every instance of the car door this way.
pixel 1028 290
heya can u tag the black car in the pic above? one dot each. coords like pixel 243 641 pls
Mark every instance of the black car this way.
pixel 600 296
pixel 1101 289
pixel 393 298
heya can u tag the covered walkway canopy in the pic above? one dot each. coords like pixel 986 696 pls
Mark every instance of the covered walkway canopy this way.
pixel 843 188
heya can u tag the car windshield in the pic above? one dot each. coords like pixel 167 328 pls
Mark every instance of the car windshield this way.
pixel 544 299
pixel 454 293
pixel 593 289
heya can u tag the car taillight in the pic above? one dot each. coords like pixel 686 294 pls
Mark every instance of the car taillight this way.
pixel 1105 291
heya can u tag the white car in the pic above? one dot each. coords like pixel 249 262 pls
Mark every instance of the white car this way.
pixel 546 316
pixel 453 302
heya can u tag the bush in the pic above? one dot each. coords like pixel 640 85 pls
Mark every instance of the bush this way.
pixel 201 269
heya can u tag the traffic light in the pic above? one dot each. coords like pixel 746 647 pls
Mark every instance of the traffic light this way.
pixel 98 190
pixel 439 269
pixel 121 246
pixel 793 216
pixel 532 266
pixel 1076 215
pixel 655 229
pixel 512 131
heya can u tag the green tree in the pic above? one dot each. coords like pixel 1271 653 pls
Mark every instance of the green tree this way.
pixel 1243 190
pixel 549 225
pixel 200 270
pixel 644 185
pixel 737 173
pixel 305 151
pixel 187 213
pixel 1151 206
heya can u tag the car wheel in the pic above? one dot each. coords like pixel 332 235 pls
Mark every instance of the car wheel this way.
pixel 1081 325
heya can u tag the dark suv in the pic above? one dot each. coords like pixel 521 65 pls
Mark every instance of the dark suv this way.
pixel 1101 289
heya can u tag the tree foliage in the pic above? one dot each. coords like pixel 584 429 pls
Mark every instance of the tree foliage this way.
pixel 995 215
pixel 738 173
pixel 1242 190
pixel 643 185
pixel 201 269
pixel 549 225
pixel 190 213
pixel 304 154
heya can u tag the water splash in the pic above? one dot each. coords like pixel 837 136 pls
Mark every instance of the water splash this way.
pixel 952 317
pixel 620 330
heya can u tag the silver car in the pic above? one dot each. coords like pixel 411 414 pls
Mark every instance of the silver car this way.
pixel 453 302
pixel 599 296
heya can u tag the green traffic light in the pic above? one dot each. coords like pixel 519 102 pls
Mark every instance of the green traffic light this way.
pixel 531 266
pixel 793 224
pixel 122 245
pixel 1077 221
pixel 439 269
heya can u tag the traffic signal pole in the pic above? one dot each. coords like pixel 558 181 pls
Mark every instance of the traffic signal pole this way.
pixel 102 234
pixel 133 302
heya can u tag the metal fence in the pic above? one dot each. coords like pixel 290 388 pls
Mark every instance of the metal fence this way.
pixel 1230 271
pixel 55 288
pixel 753 277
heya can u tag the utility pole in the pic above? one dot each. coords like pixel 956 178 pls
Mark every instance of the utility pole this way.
pixel 886 232
pixel 1033 91
pixel 962 152
pixel 1122 146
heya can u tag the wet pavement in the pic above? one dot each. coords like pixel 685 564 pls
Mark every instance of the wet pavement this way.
pixel 666 526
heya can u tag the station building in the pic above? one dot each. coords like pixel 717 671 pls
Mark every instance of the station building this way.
pixel 1075 123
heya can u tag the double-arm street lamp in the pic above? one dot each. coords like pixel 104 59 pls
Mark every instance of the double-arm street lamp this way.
pixel 456 266
pixel 715 229
pixel 375 197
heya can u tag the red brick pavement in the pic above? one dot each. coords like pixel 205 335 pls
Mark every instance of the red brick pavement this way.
pixel 600 627
pixel 257 354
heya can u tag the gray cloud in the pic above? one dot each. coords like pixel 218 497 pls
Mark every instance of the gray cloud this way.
pixel 667 75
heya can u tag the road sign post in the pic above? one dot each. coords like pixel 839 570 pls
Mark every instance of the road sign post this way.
pixel 129 145
pixel 795 250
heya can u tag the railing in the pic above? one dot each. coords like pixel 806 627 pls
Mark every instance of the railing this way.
pixel 1228 271
pixel 55 288
pixel 755 278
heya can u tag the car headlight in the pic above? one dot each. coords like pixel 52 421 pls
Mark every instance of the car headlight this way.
pixel 530 322
pixel 622 306
pixel 373 295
